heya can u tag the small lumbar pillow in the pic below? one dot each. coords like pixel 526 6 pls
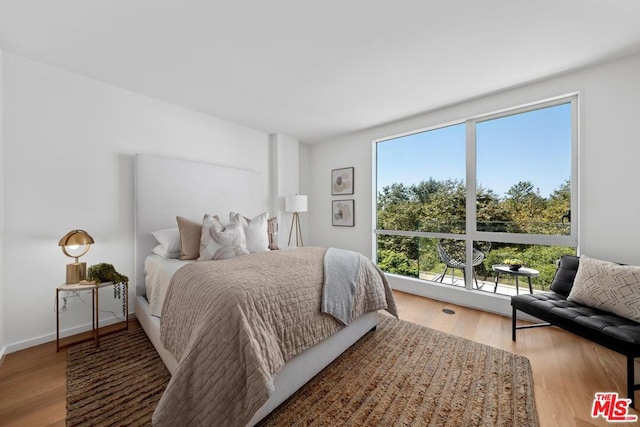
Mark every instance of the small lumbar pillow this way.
pixel 272 233
pixel 221 242
pixel 190 232
pixel 608 286
pixel 169 238
pixel 255 231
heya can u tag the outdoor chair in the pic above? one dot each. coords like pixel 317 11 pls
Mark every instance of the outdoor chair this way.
pixel 453 255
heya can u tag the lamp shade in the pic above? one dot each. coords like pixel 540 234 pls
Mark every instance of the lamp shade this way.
pixel 295 203
pixel 76 239
pixel 75 244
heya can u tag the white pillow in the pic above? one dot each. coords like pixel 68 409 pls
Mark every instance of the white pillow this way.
pixel 255 231
pixel 607 286
pixel 169 238
pixel 161 251
pixel 220 242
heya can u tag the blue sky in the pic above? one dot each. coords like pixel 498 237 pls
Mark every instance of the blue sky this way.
pixel 533 146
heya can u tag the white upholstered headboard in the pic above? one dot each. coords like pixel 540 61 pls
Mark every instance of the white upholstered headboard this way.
pixel 165 188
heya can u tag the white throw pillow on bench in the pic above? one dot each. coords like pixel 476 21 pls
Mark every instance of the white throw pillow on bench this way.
pixel 608 286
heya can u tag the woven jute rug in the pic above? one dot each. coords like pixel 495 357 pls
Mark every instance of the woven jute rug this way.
pixel 402 374
pixel 118 384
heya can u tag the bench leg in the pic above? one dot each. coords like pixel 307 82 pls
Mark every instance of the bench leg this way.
pixel 631 381
pixel 513 324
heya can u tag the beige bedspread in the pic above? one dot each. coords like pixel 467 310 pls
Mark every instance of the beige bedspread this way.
pixel 232 325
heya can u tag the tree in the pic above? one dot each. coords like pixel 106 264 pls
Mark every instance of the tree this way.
pixel 424 190
pixel 392 194
pixel 520 191
pixel 491 214
pixel 396 211
pixel 440 206
pixel 398 263
pixel 445 211
pixel 525 208
pixel 558 205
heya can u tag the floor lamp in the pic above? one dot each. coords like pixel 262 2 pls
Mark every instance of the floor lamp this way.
pixel 296 204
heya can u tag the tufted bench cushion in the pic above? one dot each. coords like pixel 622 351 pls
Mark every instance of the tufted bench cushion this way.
pixel 607 329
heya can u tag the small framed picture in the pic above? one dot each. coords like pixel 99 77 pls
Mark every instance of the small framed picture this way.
pixel 342 213
pixel 341 181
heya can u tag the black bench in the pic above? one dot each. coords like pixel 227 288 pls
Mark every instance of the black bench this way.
pixel 609 330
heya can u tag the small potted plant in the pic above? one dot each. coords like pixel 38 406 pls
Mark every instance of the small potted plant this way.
pixel 104 272
pixel 514 264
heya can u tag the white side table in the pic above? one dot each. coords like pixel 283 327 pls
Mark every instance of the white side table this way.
pixel 95 309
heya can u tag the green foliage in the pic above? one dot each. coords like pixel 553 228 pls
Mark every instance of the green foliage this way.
pixel 103 272
pixel 491 214
pixel 440 206
pixel 541 258
pixel 429 259
pixel 398 263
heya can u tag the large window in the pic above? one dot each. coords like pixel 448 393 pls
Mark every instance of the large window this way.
pixel 488 189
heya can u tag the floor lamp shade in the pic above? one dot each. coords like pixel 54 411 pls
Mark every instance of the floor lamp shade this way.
pixel 296 204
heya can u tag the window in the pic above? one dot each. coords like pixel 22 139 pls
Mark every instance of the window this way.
pixel 490 188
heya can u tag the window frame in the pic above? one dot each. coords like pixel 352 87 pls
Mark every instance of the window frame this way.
pixel 471 233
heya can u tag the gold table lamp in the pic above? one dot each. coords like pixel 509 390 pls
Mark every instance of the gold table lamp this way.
pixel 75 244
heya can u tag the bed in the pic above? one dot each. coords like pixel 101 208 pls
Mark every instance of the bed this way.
pixel 167 187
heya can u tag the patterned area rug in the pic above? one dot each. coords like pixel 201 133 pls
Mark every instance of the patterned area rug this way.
pixel 403 374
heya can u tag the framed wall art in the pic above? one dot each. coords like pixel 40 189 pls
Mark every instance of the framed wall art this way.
pixel 342 213
pixel 342 181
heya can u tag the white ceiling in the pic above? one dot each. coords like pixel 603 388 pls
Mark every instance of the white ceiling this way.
pixel 315 69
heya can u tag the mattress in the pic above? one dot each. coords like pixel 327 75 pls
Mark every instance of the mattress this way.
pixel 158 274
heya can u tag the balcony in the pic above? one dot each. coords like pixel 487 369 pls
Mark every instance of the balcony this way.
pixel 506 286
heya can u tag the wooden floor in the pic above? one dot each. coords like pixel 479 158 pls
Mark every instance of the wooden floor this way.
pixel 567 370
pixel 33 384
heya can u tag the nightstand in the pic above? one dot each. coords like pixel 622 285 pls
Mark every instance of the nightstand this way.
pixel 95 308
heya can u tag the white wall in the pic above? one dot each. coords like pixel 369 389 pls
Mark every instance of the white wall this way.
pixel 285 155
pixel 68 157
pixel 303 188
pixel 355 151
pixel 609 199
pixel 2 274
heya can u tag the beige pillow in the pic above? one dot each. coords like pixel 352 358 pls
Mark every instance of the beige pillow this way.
pixel 222 242
pixel 190 232
pixel 608 286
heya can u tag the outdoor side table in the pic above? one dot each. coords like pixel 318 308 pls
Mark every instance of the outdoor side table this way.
pixel 522 272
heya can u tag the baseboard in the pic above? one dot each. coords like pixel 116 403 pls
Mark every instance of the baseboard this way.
pixel 3 352
pixel 43 339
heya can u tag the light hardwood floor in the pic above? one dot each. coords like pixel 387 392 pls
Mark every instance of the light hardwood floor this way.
pixel 567 370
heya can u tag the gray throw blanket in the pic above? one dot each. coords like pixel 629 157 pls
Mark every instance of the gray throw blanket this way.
pixel 341 268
